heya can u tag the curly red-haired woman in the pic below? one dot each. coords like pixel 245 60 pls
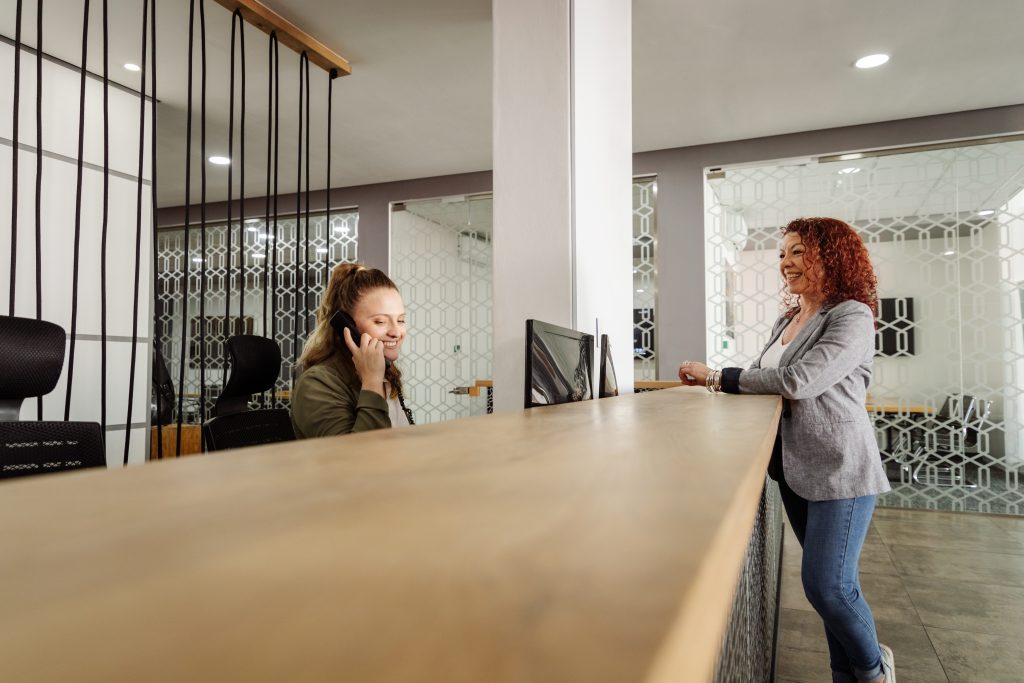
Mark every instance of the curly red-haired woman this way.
pixel 826 460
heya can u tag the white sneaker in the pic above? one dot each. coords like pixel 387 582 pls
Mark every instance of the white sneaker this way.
pixel 888 664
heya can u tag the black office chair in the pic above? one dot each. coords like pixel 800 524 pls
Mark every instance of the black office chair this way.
pixel 255 366
pixel 31 360
pixel 162 406
pixel 940 455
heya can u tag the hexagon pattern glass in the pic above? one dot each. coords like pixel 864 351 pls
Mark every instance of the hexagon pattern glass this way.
pixel 283 281
pixel 645 224
pixel 945 229
pixel 441 260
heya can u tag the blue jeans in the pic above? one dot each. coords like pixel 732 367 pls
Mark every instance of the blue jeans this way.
pixel 832 534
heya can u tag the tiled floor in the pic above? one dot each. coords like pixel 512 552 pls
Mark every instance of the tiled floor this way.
pixel 947 592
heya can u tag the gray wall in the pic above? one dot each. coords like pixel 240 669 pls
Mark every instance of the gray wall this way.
pixel 373 202
pixel 680 204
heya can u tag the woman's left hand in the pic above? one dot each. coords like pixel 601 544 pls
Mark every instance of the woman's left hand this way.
pixel 694 374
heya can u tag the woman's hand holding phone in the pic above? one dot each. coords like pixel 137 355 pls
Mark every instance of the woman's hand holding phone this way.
pixel 368 358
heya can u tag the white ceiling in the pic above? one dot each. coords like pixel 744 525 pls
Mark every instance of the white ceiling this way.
pixel 419 100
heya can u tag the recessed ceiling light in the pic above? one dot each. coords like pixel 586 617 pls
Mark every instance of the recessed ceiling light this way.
pixel 948 253
pixel 259 255
pixel 132 67
pixel 871 61
pixel 321 250
pixel 197 259
pixel 220 161
pixel 986 212
pixel 253 228
pixel 639 291
pixel 343 229
pixel 850 170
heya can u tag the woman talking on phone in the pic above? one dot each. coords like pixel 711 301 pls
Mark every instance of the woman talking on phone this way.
pixel 349 382
pixel 826 461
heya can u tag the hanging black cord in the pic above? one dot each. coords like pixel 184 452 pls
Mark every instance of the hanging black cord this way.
pixel 270 151
pixel 188 233
pixel 272 107
pixel 78 214
pixel 308 265
pixel 14 155
pixel 228 284
pixel 276 168
pixel 299 306
pixel 202 220
pixel 332 74
pixel 241 177
pixel 138 246
pixel 157 326
pixel 104 224
pixel 39 177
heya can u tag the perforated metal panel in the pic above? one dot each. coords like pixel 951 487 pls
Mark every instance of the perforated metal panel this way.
pixel 748 646
pixel 945 229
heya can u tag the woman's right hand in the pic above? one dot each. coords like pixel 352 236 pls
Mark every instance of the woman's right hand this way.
pixel 368 358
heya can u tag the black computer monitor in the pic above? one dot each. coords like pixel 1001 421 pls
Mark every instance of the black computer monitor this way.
pixel 559 364
pixel 607 385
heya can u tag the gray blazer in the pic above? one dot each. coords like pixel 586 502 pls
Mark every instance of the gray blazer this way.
pixel 828 443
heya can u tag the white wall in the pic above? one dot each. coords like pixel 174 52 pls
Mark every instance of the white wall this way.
pixel 60 141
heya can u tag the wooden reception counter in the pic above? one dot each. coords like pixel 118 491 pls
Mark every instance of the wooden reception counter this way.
pixel 597 541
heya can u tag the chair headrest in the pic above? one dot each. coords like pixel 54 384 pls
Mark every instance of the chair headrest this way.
pixel 31 357
pixel 255 366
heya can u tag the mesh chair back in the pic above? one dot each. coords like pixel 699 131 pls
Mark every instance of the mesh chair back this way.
pixel 248 428
pixel 42 447
pixel 31 360
pixel 255 366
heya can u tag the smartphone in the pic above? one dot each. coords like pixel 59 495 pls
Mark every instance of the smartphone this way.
pixel 341 320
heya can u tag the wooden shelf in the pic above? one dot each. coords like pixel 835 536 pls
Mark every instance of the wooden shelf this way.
pixel 267 20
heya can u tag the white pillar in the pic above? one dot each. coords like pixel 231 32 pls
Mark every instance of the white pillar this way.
pixel 562 178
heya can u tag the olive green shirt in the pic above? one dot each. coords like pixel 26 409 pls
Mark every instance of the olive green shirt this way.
pixel 328 399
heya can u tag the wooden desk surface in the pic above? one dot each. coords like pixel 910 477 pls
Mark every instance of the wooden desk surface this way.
pixel 597 541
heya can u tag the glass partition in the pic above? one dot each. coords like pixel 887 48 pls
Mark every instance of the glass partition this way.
pixel 945 229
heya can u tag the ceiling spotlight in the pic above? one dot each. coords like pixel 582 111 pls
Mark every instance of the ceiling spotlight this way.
pixel 132 67
pixel 849 171
pixel 948 253
pixel 220 161
pixel 321 250
pixel 259 255
pixel 986 212
pixel 639 291
pixel 871 61
pixel 197 259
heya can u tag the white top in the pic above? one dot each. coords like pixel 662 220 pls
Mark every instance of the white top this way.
pixel 397 415
pixel 773 354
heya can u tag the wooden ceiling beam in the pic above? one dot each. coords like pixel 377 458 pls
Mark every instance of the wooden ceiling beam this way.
pixel 269 21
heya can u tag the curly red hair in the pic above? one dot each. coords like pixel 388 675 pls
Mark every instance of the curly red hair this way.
pixel 848 273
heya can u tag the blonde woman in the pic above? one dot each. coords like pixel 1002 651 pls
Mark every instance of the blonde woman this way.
pixel 349 384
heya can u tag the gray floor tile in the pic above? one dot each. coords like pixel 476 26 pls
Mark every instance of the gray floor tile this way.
pixel 991 568
pixel 977 535
pixel 916 661
pixel 975 657
pixel 968 605
pixel 801 630
pixel 802 666
pixel 888 599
